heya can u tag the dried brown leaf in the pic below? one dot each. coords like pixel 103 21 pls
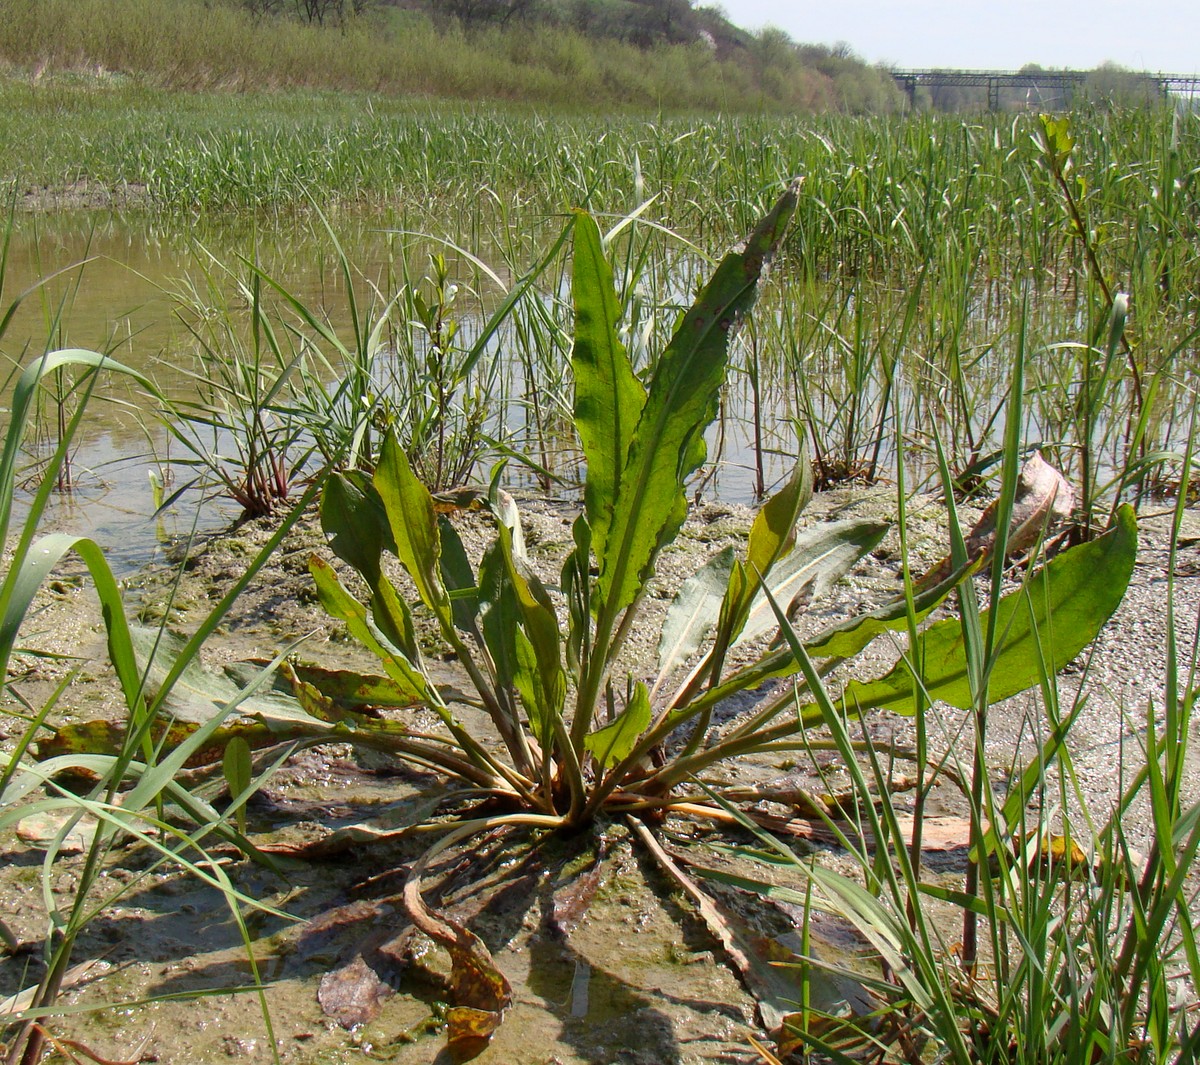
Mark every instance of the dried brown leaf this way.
pixel 353 994
pixel 469 1031
pixel 479 993
pixel 1044 498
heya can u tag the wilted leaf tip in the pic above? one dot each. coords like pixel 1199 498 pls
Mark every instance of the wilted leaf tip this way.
pixel 763 242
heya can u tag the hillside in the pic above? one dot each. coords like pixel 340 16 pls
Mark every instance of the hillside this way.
pixel 593 55
pixel 644 23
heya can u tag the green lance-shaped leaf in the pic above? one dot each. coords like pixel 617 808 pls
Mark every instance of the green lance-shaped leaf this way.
pixel 576 589
pixel 846 638
pixel 348 689
pixel 539 676
pixel 820 557
pixel 499 614
pixel 774 530
pixel 608 396
pixel 842 640
pixel 238 767
pixel 1042 627
pixel 694 611
pixel 772 537
pixel 668 444
pixel 393 618
pixel 339 603
pixel 458 577
pixel 355 523
pixel 615 740
pixel 413 522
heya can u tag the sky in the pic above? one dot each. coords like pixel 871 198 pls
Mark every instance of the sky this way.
pixel 1153 35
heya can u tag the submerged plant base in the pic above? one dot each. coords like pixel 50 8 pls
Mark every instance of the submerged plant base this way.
pixel 836 474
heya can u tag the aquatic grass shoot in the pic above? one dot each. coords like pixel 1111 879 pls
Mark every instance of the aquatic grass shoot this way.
pixel 1073 947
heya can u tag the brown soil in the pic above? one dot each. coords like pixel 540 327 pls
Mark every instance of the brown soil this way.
pixel 83 195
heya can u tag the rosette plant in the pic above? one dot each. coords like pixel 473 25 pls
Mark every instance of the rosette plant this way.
pixel 573 734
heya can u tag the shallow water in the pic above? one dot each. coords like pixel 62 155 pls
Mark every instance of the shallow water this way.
pixel 129 284
pixel 138 287
pixel 117 283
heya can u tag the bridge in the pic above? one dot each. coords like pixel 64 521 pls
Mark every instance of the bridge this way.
pixel 1064 80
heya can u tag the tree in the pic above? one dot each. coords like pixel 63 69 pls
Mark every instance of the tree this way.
pixel 1111 85
pixel 476 12
pixel 317 12
pixel 663 21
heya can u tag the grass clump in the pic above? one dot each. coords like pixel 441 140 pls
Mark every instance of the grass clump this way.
pixel 126 789
pixel 1064 942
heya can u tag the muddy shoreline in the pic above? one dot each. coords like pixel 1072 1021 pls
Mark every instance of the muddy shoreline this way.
pixel 637 978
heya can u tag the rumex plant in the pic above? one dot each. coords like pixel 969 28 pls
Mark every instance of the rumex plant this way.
pixel 579 736
pixel 573 733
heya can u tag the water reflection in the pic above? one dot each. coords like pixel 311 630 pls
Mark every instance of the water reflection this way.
pixel 141 290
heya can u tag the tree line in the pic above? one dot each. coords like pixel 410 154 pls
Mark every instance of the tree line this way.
pixel 644 23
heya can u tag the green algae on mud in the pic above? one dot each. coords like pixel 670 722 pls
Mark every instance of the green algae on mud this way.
pixel 577 999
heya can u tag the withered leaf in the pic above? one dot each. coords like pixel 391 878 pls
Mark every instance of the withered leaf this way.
pixel 791 790
pixel 469 1031
pixel 479 993
pixel 42 828
pixel 1044 497
pixel 323 931
pixel 474 979
pixel 108 737
pixel 353 994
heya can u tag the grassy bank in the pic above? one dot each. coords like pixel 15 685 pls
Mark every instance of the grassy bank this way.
pixel 186 44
